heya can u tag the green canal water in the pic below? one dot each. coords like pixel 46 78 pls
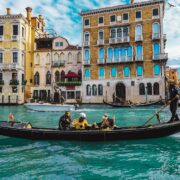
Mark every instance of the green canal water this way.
pixel 142 159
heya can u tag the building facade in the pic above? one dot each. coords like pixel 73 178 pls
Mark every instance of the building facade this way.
pixel 124 53
pixel 57 70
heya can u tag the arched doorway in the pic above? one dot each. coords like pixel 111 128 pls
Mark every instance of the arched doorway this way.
pixel 120 93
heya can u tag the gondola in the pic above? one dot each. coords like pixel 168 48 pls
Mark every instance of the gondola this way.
pixel 26 131
pixel 132 105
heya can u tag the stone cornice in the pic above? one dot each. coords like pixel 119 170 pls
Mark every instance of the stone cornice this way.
pixel 121 7
pixel 13 16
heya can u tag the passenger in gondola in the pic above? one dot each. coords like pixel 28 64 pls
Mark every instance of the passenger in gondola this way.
pixel 174 92
pixel 81 123
pixel 65 121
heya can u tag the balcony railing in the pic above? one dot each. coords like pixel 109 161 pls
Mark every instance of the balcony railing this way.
pixel 15 38
pixel 100 42
pixel 58 63
pixel 138 38
pixel 156 36
pixel 1 82
pixel 14 82
pixel 101 61
pixel 70 83
pixel 139 58
pixel 163 56
pixel 118 40
pixel 86 62
pixel 86 43
pixel 13 66
pixel 121 59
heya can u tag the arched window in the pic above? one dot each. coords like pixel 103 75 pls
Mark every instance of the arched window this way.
pixel 156 88
pixel 123 54
pixel 37 59
pixel 100 90
pixel 156 50
pixel 87 37
pixel 138 32
pixel 139 70
pixel 94 90
pixel 62 75
pixel 36 78
pixel 116 54
pixel 79 57
pixel 87 73
pixel 156 29
pixel 101 53
pixel 56 57
pixel 126 71
pixel 80 75
pixel 62 56
pixel 110 53
pixel 149 88
pixel 141 89
pixel 57 76
pixel 101 35
pixel 157 69
pixel 48 59
pixel 87 55
pixel 139 52
pixel 129 53
pixel 48 78
pixel 69 58
pixel 88 90
pixel 113 72
pixel 101 72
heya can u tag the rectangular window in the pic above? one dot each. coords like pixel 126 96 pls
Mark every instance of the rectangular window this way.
pixel 1 30
pixel 22 78
pixel 125 17
pixel 0 89
pixel 86 22
pixel 15 57
pixel 63 93
pixel 155 12
pixel 57 44
pixel 14 76
pixel 1 57
pixel 14 89
pixel 61 44
pixel 15 30
pixel 35 94
pixel 23 35
pixel 101 20
pixel 138 14
pixel 112 18
pixel 78 94
pixel 1 76
pixel 70 95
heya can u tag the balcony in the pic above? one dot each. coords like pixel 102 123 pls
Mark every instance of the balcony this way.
pixel 156 36
pixel 139 38
pixel 118 40
pixel 101 61
pixel 121 59
pixel 86 62
pixel 139 58
pixel 70 83
pixel 15 38
pixel 163 56
pixel 100 42
pixel 58 63
pixel 1 38
pixel 1 82
pixel 13 66
pixel 14 82
pixel 86 43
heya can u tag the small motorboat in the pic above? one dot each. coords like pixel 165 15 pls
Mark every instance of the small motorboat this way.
pixel 47 107
pixel 132 105
pixel 27 131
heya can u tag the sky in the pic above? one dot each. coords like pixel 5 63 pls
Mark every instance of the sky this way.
pixel 63 16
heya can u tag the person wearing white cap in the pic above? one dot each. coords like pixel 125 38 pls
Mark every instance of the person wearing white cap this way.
pixel 82 122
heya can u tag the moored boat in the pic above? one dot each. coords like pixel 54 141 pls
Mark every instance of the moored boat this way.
pixel 43 107
pixel 25 130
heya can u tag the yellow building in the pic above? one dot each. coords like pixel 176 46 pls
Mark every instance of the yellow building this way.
pixel 17 34
pixel 124 53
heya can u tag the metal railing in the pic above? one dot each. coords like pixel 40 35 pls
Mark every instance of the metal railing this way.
pixel 86 62
pixel 163 56
pixel 101 61
pixel 138 38
pixel 58 63
pixel 86 43
pixel 118 40
pixel 100 42
pixel 156 36
pixel 139 58
pixel 120 59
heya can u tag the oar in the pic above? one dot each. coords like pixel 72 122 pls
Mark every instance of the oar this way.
pixel 160 110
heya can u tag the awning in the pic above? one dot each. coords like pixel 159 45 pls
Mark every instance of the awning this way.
pixel 71 75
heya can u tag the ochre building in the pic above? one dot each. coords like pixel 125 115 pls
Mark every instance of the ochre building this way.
pixel 124 53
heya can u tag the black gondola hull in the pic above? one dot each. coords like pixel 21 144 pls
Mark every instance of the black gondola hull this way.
pixel 128 133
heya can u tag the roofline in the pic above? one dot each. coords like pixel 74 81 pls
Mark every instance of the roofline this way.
pixel 120 7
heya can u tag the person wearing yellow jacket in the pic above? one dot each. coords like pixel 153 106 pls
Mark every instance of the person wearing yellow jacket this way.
pixel 81 123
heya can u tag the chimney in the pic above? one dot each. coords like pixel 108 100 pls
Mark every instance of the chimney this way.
pixel 29 10
pixel 40 18
pixel 8 11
